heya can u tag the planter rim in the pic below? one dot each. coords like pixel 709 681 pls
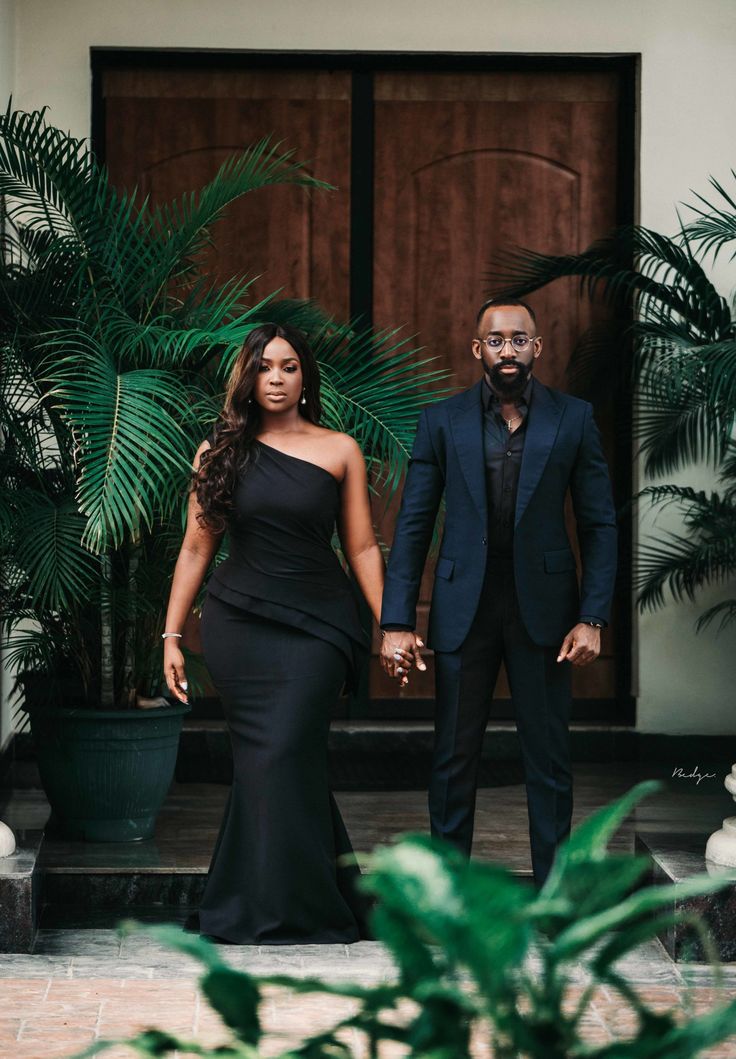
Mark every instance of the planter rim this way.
pixel 84 714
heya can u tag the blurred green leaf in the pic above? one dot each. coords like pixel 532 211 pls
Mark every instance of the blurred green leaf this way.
pixel 235 998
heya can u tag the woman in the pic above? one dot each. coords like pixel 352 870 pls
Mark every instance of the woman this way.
pixel 280 636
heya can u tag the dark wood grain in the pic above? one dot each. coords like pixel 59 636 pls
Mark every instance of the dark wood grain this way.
pixel 168 132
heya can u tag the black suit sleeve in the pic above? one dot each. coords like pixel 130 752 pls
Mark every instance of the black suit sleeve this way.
pixel 425 482
pixel 595 514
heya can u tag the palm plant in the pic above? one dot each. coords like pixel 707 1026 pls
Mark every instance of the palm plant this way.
pixel 116 350
pixel 680 353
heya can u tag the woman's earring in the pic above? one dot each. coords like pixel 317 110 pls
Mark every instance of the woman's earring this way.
pixel 304 396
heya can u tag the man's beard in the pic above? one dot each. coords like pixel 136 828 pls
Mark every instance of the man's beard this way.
pixel 509 386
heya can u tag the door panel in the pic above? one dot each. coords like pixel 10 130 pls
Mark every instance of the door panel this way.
pixel 168 132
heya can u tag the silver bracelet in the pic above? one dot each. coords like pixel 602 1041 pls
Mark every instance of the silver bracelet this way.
pixel 165 634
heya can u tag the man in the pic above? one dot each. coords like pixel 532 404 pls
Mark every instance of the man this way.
pixel 504 453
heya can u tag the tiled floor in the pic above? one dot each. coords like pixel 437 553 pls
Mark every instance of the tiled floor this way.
pixel 84 985
pixel 87 985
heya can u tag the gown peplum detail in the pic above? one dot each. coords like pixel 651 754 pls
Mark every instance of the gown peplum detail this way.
pixel 281 564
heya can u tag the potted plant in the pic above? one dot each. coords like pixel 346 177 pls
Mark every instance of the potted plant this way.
pixel 116 350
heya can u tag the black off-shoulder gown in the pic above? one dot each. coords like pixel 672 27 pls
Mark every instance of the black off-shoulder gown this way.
pixel 281 635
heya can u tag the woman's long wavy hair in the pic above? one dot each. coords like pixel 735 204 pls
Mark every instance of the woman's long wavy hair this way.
pixel 233 445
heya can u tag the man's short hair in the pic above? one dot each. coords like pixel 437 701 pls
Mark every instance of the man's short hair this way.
pixel 498 303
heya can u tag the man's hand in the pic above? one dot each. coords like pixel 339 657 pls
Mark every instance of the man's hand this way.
pixel 581 646
pixel 399 652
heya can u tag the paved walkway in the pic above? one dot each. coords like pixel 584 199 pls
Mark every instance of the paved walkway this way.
pixel 83 985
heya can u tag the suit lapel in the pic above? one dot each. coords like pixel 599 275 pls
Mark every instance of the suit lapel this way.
pixel 466 422
pixel 541 431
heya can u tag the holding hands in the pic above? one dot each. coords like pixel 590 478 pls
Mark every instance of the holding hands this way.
pixel 399 652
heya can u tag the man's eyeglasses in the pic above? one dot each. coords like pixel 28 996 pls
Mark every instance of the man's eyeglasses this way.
pixel 520 343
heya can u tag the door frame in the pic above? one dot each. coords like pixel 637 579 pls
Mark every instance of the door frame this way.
pixel 363 66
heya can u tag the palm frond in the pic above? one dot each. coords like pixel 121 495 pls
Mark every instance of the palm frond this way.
pixel 44 173
pixel 132 450
pixel 307 315
pixel 719 361
pixel 190 218
pixel 46 545
pixel 23 422
pixel 676 423
pixel 173 341
pixel 716 223
pixel 662 495
pixel 725 611
pixel 29 649
pixel 728 467
pixel 631 264
pixel 683 563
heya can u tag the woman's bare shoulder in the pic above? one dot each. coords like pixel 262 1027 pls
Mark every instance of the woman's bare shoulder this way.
pixel 343 443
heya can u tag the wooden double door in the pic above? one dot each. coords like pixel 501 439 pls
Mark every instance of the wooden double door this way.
pixel 434 172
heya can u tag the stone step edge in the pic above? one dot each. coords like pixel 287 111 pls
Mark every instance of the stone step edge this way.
pixel 194 724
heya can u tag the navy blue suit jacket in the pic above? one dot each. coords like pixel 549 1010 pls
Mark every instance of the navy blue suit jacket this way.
pixel 562 450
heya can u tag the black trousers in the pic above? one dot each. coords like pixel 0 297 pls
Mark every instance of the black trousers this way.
pixel 541 694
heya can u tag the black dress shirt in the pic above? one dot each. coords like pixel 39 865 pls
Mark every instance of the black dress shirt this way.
pixel 502 452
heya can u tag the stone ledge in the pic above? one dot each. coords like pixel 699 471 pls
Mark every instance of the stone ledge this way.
pixel 19 881
pixel 679 855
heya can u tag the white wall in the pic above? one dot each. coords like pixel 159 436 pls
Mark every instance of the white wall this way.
pixel 7 80
pixel 688 85
pixel 7 49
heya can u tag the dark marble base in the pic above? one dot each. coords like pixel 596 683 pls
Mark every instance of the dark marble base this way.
pixel 19 895
pixel 20 876
pixel 363 756
pixel 679 855
pixel 103 898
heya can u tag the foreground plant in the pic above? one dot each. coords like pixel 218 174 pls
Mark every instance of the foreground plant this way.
pixel 476 948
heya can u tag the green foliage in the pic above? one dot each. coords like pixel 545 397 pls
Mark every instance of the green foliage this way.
pixel 475 948
pixel 116 350
pixel 680 350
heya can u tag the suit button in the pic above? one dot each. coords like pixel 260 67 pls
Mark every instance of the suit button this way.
pixel 484 540
pixel 508 453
